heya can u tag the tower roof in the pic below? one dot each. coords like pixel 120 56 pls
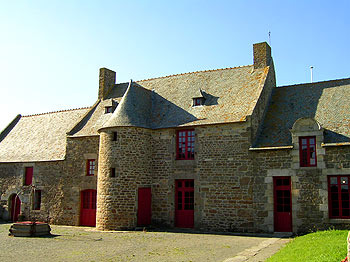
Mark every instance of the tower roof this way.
pixel 134 108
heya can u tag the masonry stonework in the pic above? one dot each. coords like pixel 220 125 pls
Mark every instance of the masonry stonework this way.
pixel 246 136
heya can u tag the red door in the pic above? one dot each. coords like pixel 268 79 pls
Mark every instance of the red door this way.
pixel 144 210
pixel 184 203
pixel 88 208
pixel 282 204
pixel 15 207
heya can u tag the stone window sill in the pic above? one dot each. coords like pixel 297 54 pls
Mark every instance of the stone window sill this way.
pixel 190 163
pixel 339 221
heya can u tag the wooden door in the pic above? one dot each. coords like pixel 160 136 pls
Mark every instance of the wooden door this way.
pixel 282 204
pixel 184 203
pixel 88 208
pixel 144 210
pixel 15 207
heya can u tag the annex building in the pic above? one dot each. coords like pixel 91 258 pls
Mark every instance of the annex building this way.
pixel 218 150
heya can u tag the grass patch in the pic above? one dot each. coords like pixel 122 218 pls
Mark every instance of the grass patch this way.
pixel 327 246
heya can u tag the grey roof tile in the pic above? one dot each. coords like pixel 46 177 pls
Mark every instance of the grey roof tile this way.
pixel 327 102
pixel 39 137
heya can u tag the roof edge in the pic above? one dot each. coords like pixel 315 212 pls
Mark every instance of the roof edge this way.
pixel 32 161
pixel 9 127
pixel 86 116
pixel 270 148
pixel 313 83
pixel 180 74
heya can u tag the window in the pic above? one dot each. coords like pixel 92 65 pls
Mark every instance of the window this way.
pixel 108 109
pixel 339 196
pixel 198 101
pixel 115 136
pixel 112 172
pixel 37 199
pixel 307 151
pixel 28 176
pixel 90 169
pixel 185 144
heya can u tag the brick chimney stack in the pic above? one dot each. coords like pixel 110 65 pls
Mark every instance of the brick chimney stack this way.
pixel 106 82
pixel 262 55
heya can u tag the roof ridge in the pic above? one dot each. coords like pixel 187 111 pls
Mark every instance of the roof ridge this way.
pixel 200 71
pixel 313 83
pixel 59 111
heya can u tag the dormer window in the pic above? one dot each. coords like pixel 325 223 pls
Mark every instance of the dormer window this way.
pixel 108 109
pixel 198 101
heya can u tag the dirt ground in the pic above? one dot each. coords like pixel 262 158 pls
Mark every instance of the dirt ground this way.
pixel 87 244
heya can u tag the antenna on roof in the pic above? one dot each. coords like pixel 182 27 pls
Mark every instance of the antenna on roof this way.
pixel 311 67
pixel 270 38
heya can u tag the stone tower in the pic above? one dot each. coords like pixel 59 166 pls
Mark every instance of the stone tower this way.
pixel 124 160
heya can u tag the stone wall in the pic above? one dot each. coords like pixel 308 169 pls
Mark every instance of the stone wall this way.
pixel 309 188
pixel 131 156
pixel 79 150
pixel 262 104
pixel 222 174
pixel 47 177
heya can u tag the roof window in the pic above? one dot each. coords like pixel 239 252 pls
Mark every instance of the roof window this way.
pixel 108 109
pixel 198 101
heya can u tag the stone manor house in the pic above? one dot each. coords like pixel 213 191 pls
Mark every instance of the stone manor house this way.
pixel 218 150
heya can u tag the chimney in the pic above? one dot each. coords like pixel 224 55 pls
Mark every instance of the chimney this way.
pixel 262 55
pixel 106 82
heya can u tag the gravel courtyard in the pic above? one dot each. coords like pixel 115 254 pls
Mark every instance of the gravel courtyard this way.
pixel 87 244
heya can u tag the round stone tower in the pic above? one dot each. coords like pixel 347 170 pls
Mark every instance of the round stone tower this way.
pixel 124 160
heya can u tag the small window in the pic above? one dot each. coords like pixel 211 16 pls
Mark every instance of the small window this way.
pixel 112 172
pixel 185 144
pixel 115 136
pixel 307 151
pixel 108 109
pixel 28 176
pixel 37 200
pixel 90 167
pixel 198 101
pixel 339 196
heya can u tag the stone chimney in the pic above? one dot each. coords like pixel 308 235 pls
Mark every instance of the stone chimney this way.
pixel 106 82
pixel 262 55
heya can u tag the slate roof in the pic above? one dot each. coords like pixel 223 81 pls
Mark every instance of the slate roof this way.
pixel 134 108
pixel 230 96
pixel 327 102
pixel 39 137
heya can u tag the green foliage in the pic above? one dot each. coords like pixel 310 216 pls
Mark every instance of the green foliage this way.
pixel 325 246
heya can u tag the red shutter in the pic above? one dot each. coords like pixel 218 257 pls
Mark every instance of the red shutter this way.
pixel 28 176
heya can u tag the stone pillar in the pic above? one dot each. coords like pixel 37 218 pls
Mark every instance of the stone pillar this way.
pixel 262 55
pixel 126 150
pixel 106 82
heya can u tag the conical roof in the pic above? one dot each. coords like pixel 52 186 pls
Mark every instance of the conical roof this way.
pixel 134 109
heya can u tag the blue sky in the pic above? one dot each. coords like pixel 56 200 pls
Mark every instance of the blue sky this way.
pixel 51 51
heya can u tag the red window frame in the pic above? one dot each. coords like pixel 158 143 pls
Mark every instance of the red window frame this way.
pixel 339 196
pixel 28 177
pixel 37 200
pixel 307 151
pixel 90 167
pixel 197 101
pixel 185 144
pixel 108 109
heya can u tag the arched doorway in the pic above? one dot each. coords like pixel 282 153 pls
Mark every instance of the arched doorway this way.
pixel 15 207
pixel 88 207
